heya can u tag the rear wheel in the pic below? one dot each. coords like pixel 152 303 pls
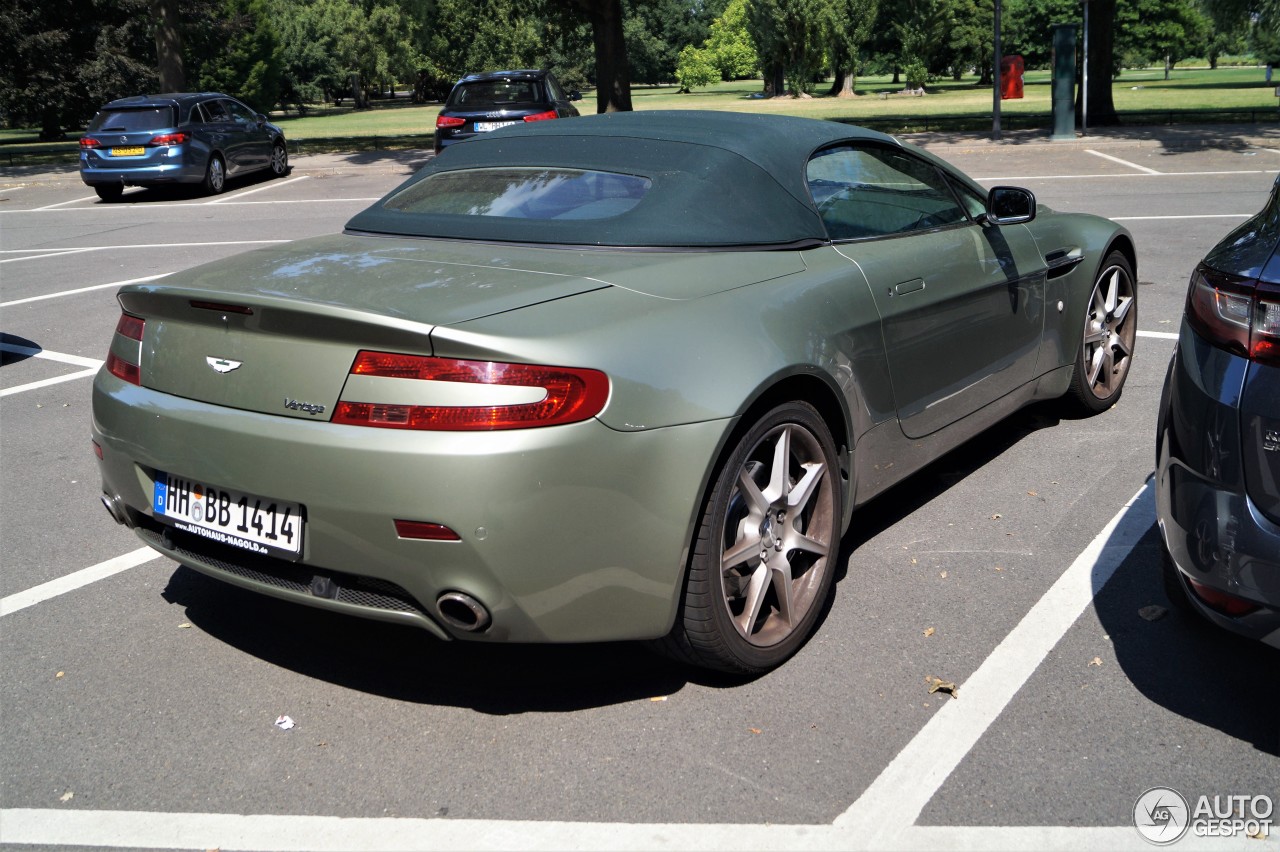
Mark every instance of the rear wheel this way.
pixel 765 552
pixel 109 191
pixel 215 175
pixel 1110 330
pixel 279 160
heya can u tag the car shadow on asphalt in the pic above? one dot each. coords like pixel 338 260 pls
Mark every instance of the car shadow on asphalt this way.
pixel 188 192
pixel 408 664
pixel 1184 664
pixel 27 349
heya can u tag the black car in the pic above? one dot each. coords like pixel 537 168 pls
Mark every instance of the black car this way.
pixel 1218 437
pixel 479 103
pixel 193 138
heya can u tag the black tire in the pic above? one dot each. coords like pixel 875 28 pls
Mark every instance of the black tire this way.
pixel 279 159
pixel 1108 338
pixel 767 544
pixel 215 175
pixel 109 191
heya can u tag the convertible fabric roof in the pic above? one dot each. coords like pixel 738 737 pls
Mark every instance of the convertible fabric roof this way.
pixel 719 179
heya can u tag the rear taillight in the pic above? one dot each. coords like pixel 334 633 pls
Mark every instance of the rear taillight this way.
pixel 90 142
pixel 1237 314
pixel 1221 601
pixel 541 116
pixel 501 396
pixel 443 121
pixel 126 349
pixel 168 139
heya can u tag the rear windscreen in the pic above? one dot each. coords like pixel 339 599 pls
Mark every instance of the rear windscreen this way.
pixel 523 193
pixel 493 93
pixel 126 120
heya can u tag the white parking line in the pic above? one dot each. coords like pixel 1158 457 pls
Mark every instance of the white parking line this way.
pixel 272 185
pixel 1126 163
pixel 97 208
pixel 143 246
pixel 1159 335
pixel 72 201
pixel 40 254
pixel 82 290
pixel 1019 178
pixel 90 364
pixel 85 576
pixel 895 799
pixel 883 817
pixel 1194 216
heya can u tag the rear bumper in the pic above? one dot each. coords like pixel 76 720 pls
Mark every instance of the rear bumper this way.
pixel 1214 533
pixel 160 166
pixel 568 534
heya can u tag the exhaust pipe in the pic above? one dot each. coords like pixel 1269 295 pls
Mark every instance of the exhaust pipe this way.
pixel 115 508
pixel 463 612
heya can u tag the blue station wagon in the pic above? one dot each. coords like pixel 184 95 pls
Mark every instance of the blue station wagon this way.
pixel 154 140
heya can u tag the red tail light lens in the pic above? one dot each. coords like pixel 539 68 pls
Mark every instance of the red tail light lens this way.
pixel 443 121
pixel 168 139
pixel 426 531
pixel 90 142
pixel 541 116
pixel 1237 314
pixel 1221 601
pixel 568 394
pixel 126 367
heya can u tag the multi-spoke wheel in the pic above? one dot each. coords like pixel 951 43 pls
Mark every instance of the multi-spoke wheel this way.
pixel 215 175
pixel 1110 329
pixel 279 160
pixel 765 552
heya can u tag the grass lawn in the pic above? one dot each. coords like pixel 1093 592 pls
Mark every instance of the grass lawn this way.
pixel 877 103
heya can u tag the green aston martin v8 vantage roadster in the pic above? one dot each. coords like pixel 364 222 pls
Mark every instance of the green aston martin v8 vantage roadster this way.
pixel 621 378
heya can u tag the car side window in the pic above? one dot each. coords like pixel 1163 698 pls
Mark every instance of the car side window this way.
pixel 240 113
pixel 973 202
pixel 215 111
pixel 557 93
pixel 873 191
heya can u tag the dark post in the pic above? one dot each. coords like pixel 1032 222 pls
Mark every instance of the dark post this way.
pixel 1064 81
pixel 995 96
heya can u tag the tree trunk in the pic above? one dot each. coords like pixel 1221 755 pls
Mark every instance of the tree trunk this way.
pixel 1102 108
pixel 168 20
pixel 847 81
pixel 613 75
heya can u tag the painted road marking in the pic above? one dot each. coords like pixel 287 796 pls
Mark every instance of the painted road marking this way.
pixel 1110 177
pixel 85 576
pixel 91 366
pixel 172 205
pixel 273 185
pixel 83 290
pixel 1126 163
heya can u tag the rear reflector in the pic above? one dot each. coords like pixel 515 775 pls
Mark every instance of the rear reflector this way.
pixel 570 394
pixel 425 531
pixel 126 368
pixel 1221 601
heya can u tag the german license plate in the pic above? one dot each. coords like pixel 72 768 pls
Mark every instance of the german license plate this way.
pixel 258 524
pixel 136 151
pixel 486 126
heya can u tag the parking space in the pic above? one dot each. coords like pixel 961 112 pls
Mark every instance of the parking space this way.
pixel 139 696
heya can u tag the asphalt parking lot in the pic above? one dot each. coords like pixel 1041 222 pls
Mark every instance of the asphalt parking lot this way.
pixel 138 697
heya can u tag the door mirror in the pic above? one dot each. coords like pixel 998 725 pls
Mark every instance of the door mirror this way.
pixel 1010 205
pixel 575 95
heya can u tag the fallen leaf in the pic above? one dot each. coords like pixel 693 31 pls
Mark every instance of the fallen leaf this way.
pixel 996 516
pixel 937 684
pixel 1153 612
pixel 913 560
pixel 929 631
pixel 755 730
pixel 59 674
pixel 1096 661
pixel 943 575
pixel 186 625
pixel 1031 494
pixel 659 698
pixel 999 567
pixel 67 796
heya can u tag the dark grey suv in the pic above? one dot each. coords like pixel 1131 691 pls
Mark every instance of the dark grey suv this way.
pixel 193 138
pixel 479 103
pixel 1218 437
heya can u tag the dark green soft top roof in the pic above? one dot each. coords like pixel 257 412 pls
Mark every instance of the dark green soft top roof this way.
pixel 719 179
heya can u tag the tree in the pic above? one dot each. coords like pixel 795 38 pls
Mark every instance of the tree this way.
pixel 788 35
pixel 168 34
pixel 729 43
pixel 613 74
pixel 62 59
pixel 1164 30
pixel 848 26
pixel 249 67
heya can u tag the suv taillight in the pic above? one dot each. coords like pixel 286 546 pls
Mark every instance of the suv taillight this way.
pixel 443 121
pixel 1240 315
pixel 128 340
pixel 551 396
pixel 168 139
pixel 89 142
pixel 541 116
